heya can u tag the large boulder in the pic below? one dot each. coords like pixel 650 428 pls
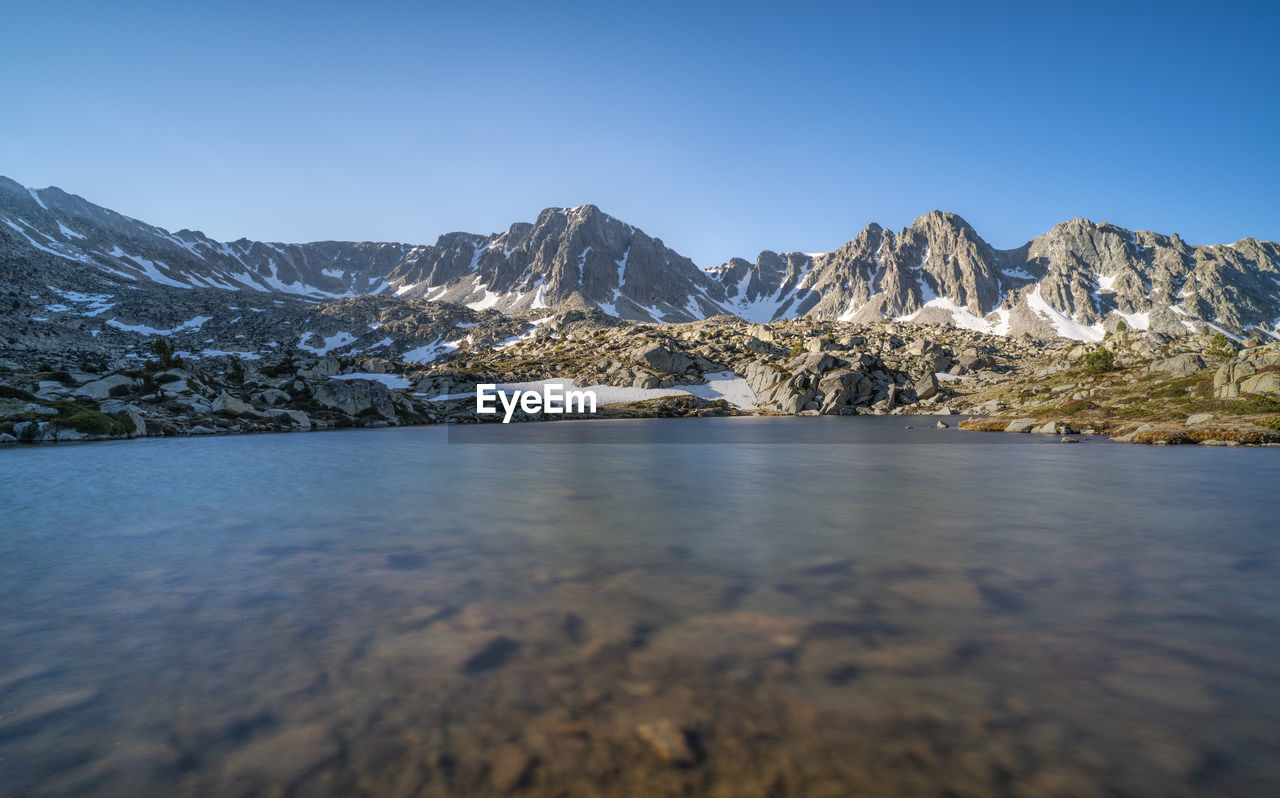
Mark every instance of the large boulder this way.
pixel 131 412
pixel 811 362
pixel 226 403
pixel 272 397
pixel 320 367
pixel 1252 371
pixel 1264 383
pixel 659 357
pixel 1180 365
pixel 354 397
pixel 101 389
pixel 926 387
pixel 776 389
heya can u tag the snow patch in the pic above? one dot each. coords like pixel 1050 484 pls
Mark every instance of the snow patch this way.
pixel 335 341
pixel 1065 326
pixel 191 324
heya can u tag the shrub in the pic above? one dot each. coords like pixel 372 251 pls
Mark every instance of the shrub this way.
pixel 9 392
pixel 166 353
pixel 1100 361
pixel 161 379
pixel 797 348
pixel 91 422
pixel 62 377
pixel 1220 344
pixel 119 390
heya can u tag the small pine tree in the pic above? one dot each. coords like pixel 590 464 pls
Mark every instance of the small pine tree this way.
pixel 168 356
pixel 1100 361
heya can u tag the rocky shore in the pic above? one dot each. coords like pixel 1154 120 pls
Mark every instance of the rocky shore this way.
pixel 1134 386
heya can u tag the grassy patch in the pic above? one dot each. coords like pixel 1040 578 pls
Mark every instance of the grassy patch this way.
pixel 88 421
pixel 9 392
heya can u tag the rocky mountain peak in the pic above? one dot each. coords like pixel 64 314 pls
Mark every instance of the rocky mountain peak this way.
pixel 1078 280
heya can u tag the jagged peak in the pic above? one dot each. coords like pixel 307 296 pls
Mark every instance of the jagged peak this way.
pixel 937 217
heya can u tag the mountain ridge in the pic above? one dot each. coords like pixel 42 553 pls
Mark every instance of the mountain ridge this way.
pixel 1077 280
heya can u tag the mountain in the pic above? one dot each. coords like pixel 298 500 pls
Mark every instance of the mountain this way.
pixel 1078 280
pixel 569 256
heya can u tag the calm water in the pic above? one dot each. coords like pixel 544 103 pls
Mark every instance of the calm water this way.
pixel 389 613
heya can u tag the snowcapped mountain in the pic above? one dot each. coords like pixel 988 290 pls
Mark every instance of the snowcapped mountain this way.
pixel 49 223
pixel 1077 280
pixel 569 256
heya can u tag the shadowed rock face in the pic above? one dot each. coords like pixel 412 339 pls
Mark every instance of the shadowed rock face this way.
pixel 1077 280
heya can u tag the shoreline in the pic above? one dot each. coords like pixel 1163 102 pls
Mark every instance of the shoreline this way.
pixel 1149 432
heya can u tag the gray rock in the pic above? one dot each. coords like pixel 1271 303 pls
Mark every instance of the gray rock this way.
pixel 926 387
pixel 101 389
pixel 273 396
pixel 294 417
pixel 662 359
pixel 326 366
pixel 1180 365
pixel 226 403
pixel 1199 418
pixel 1263 384
pixel 354 397
pixel 26 431
pixel 1020 425
pixel 1252 371
pixel 7 438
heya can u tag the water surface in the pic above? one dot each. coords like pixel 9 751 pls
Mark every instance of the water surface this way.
pixel 386 612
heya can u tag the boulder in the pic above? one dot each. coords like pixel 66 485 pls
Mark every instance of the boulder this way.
pixel 226 403
pixel 273 396
pixel 1020 425
pixel 7 438
pixel 1252 371
pixel 295 417
pixel 811 362
pixel 354 397
pixel 321 367
pixel 25 431
pixel 1180 365
pixel 1199 418
pixel 1265 383
pixel 101 389
pixel 659 357
pixel 926 387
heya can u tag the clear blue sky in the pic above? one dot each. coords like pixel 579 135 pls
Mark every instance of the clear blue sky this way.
pixel 721 128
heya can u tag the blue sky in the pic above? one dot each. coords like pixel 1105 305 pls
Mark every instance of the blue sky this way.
pixel 722 128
